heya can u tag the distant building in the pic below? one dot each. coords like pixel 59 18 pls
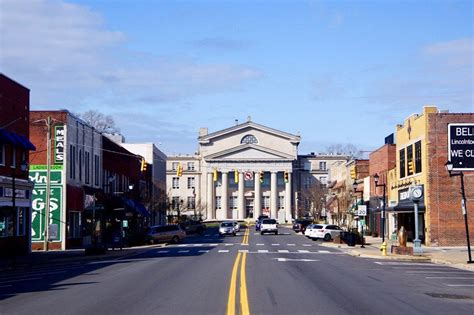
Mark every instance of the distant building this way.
pixel 15 188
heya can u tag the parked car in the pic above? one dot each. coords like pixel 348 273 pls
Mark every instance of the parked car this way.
pixel 235 224
pixel 165 233
pixel 310 229
pixel 193 227
pixel 324 231
pixel 269 226
pixel 300 225
pixel 227 228
pixel 258 222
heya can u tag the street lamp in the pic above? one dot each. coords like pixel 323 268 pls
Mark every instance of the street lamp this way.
pixel 376 180
pixel 449 168
pixel 354 185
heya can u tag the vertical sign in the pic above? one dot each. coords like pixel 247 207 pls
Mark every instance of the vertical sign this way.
pixel 38 201
pixel 461 146
pixel 59 144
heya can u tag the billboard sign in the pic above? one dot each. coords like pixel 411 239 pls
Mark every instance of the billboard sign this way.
pixel 461 146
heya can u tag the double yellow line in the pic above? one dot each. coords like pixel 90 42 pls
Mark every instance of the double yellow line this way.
pixel 244 302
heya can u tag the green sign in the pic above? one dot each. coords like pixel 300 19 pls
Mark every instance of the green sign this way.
pixel 39 203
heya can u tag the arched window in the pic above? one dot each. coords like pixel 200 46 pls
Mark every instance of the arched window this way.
pixel 249 139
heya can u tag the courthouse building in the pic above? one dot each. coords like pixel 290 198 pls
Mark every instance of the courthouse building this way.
pixel 240 172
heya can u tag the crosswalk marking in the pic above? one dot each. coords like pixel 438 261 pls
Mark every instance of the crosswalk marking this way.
pixel 283 251
pixel 182 245
pixel 290 244
pixel 460 285
pixel 260 244
pixel 323 251
pixel 243 250
pixel 203 251
pixel 183 251
pixel 263 251
pixel 223 251
pixel 163 251
pixel 303 251
pixel 460 278
pixel 289 259
pixel 275 244
pixel 307 245
pixel 228 244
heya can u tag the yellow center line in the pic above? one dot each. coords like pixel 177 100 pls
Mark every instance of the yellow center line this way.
pixel 232 288
pixel 244 302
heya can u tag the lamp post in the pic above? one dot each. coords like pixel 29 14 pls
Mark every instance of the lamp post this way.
pixel 384 185
pixel 354 185
pixel 449 168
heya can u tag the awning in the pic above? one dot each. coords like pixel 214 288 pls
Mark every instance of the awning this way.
pixel 16 140
pixel 136 206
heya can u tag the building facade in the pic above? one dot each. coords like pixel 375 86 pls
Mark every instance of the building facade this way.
pixel 15 188
pixel 240 172
pixel 76 172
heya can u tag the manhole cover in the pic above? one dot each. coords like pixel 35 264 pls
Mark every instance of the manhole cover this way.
pixel 449 296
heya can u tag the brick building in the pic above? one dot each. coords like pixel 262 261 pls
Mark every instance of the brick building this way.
pixel 76 172
pixel 15 189
pixel 445 221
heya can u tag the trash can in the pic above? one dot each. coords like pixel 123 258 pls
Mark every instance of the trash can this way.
pixel 351 239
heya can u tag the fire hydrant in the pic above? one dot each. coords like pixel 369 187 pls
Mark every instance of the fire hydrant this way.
pixel 383 248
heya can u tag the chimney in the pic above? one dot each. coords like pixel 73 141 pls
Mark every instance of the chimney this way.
pixel 202 132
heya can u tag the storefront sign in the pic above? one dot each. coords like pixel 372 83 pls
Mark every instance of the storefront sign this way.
pixel 59 144
pixel 461 146
pixel 38 176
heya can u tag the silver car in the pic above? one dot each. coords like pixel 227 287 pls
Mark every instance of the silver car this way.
pixel 165 233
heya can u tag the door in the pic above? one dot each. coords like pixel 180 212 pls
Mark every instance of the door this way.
pixel 249 208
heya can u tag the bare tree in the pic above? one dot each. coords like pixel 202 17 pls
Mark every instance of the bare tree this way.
pixel 313 197
pixel 100 121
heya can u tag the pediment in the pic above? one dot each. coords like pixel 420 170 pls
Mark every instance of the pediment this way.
pixel 249 152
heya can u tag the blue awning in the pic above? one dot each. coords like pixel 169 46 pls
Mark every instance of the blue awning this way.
pixel 136 206
pixel 16 140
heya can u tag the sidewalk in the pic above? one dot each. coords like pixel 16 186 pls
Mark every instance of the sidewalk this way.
pixel 454 256
pixel 58 257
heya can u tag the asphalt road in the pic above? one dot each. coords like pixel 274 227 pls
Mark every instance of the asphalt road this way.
pixel 246 274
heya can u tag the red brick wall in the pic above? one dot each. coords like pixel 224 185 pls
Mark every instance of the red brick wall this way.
pixel 38 132
pixel 446 220
pixel 380 162
pixel 14 104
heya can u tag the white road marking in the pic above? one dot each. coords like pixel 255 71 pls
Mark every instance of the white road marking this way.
pixel 198 245
pixel 323 251
pixel 243 244
pixel 289 259
pixel 446 272
pixel 460 278
pixel 303 251
pixel 307 245
pixel 396 263
pixel 213 244
pixel 223 251
pixel 290 244
pixel 203 251
pixel 182 245
pixel 275 244
pixel 229 244
pixel 263 251
pixel 163 251
pixel 283 251
pixel 460 285
pixel 183 251
pixel 243 250
pixel 260 244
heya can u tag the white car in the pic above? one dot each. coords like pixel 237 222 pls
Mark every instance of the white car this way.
pixel 269 226
pixel 324 231
pixel 227 228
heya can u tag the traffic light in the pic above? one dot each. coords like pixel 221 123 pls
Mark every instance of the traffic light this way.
pixel 143 165
pixel 286 176
pixel 410 167
pixel 215 175
pixel 261 176
pixel 353 172
pixel 179 170
pixel 236 176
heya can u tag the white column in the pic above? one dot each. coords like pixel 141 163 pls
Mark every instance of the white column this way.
pixel 241 199
pixel 257 202
pixel 210 196
pixel 224 195
pixel 288 199
pixel 273 196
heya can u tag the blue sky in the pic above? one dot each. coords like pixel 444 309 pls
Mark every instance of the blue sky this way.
pixel 334 71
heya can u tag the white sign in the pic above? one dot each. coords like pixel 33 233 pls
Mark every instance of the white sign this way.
pixel 362 210
pixel 248 175
pixel 53 232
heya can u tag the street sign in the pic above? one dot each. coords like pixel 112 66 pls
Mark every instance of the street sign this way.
pixel 362 210
pixel 461 146
pixel 248 175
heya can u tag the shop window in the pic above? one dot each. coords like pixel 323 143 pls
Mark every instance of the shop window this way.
pixel 418 157
pixel 74 224
pixel 7 222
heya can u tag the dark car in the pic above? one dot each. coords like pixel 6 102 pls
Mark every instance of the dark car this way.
pixel 300 225
pixel 258 222
pixel 193 227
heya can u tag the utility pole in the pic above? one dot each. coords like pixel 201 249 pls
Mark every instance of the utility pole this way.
pixel 48 183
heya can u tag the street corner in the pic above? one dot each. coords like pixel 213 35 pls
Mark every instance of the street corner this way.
pixel 463 266
pixel 376 255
